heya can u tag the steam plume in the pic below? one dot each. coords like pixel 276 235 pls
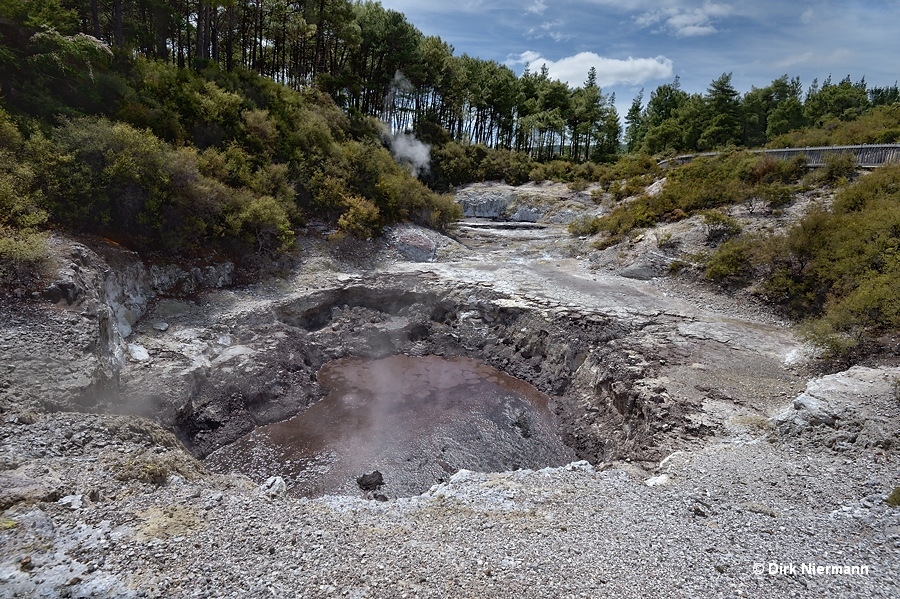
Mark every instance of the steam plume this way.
pixel 405 148
pixel 408 150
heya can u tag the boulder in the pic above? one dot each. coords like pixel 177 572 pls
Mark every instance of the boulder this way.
pixel 15 488
pixel 370 482
pixel 273 487
pixel 415 246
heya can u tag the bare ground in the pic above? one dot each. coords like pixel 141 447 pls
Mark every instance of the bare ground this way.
pixel 717 464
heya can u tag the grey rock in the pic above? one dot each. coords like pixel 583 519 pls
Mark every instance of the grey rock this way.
pixel 415 245
pixel 639 272
pixel 16 488
pixel 273 487
pixel 73 502
pixel 138 353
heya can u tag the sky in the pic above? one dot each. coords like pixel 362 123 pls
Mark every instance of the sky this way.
pixel 637 44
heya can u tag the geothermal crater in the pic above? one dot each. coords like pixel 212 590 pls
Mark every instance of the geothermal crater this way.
pixel 417 420
pixel 419 379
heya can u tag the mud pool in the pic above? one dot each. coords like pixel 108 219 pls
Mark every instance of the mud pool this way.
pixel 415 419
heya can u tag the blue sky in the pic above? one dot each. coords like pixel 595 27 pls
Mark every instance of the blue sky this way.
pixel 645 43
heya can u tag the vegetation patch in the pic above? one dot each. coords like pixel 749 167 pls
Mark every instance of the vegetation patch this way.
pixel 702 185
pixel 893 499
pixel 836 269
pixel 155 469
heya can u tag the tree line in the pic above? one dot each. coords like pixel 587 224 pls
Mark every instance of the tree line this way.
pixel 374 62
pixel 370 60
pixel 675 121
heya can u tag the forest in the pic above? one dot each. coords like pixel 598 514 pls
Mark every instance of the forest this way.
pixel 372 61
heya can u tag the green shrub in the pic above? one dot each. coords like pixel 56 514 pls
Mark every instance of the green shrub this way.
pixel 775 195
pixel 585 225
pixel 627 167
pixel 261 222
pixel 23 254
pixel 23 247
pixel 361 217
pixel 676 266
pixel 440 212
pixel 665 241
pixel 701 185
pixel 839 270
pixel 578 185
pixel 719 226
pixel 511 167
pixel 893 499
pixel 731 262
pixel 10 138
pixel 791 171
pixel 838 170
pixel 628 187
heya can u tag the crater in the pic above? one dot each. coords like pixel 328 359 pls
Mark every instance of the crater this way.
pixel 417 420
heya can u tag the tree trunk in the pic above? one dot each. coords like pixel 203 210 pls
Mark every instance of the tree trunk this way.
pixel 117 22
pixel 160 23
pixel 95 18
pixel 229 39
pixel 202 48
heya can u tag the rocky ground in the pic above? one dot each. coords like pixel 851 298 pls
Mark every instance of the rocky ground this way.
pixel 716 462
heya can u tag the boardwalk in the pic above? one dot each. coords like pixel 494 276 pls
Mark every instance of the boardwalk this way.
pixel 867 156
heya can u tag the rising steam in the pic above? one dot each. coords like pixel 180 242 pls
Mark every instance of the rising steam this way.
pixel 411 152
pixel 406 149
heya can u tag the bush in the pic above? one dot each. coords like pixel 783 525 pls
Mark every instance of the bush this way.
pixel 261 222
pixel 701 185
pixel 361 217
pixel 23 247
pixel 731 262
pixel 585 225
pixel 838 170
pixel 23 254
pixel 510 167
pixel 102 176
pixel 838 270
pixel 893 499
pixel 775 195
pixel 719 226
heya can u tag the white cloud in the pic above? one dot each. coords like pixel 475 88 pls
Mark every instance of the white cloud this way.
pixel 537 8
pixel 685 22
pixel 695 30
pixel 526 57
pixel 823 60
pixel 550 28
pixel 610 71
pixel 807 17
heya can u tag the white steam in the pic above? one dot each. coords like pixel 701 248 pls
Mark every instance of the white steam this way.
pixel 409 151
pixel 406 149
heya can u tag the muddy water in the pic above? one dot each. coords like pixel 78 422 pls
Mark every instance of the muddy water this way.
pixel 415 419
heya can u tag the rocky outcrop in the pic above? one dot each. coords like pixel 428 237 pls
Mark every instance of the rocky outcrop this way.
pixel 65 347
pixel 831 410
pixel 552 203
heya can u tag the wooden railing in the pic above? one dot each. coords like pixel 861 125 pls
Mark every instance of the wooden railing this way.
pixel 867 156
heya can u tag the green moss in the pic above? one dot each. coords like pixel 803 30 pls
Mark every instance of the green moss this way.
pixel 893 499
